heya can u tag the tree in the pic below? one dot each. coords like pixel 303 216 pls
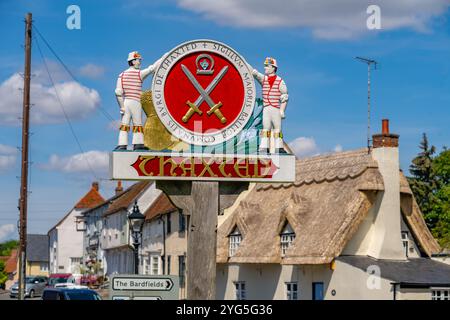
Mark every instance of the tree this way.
pixel 430 183
pixel 3 275
pixel 423 182
pixel 440 209
pixel 6 247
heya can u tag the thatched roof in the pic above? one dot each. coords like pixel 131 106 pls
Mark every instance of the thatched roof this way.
pixel 325 205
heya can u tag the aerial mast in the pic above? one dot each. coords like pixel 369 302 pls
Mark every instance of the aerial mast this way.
pixel 369 63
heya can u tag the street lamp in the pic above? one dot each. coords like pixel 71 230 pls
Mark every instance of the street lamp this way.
pixel 136 219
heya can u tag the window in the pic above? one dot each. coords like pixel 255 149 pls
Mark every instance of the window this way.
pixel 240 290
pixel 168 265
pixel 291 291
pixel 75 263
pixel 44 266
pixel 181 222
pixel 405 241
pixel 181 269
pixel 287 237
pixel 235 239
pixel 439 294
pixel 169 225
pixel 146 265
pixel 154 260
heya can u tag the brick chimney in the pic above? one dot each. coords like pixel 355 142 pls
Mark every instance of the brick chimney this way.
pixel 385 139
pixel 95 185
pixel 119 188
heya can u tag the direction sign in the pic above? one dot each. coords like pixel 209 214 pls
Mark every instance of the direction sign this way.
pixel 152 284
pixel 143 287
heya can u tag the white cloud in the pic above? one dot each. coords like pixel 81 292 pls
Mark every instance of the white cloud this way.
pixel 338 148
pixel 327 19
pixel 78 101
pixel 8 156
pixel 98 161
pixel 91 71
pixel 5 231
pixel 304 147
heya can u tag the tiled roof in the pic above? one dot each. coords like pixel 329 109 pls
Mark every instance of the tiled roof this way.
pixel 161 205
pixel 37 248
pixel 11 264
pixel 414 271
pixel 125 199
pixel 90 199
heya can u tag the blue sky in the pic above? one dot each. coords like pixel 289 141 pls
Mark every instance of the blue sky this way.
pixel 315 45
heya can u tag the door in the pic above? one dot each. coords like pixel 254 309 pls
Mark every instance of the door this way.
pixel 41 286
pixel 317 291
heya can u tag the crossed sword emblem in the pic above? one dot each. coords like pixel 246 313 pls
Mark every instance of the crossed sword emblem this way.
pixel 204 95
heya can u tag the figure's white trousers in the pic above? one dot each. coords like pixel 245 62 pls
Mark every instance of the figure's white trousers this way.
pixel 133 113
pixel 271 127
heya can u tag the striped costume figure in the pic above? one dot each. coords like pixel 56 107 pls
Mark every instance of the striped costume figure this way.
pixel 275 97
pixel 128 94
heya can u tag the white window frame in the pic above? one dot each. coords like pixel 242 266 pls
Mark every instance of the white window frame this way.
pixel 287 236
pixel 241 290
pixel 405 241
pixel 235 239
pixel 43 266
pixel 152 259
pixel 291 294
pixel 440 293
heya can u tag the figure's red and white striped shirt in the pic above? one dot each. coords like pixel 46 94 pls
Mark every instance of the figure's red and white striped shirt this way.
pixel 131 83
pixel 271 93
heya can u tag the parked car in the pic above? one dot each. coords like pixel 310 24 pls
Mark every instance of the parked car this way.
pixel 60 278
pixel 70 293
pixel 34 286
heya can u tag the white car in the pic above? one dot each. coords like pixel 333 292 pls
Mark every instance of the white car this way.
pixel 70 285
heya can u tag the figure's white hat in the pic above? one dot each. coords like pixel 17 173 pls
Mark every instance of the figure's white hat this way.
pixel 271 61
pixel 134 55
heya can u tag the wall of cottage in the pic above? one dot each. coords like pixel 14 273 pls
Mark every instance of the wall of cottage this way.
pixel 69 244
pixel 413 294
pixel 268 281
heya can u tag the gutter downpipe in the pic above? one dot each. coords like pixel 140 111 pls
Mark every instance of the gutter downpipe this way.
pixel 394 284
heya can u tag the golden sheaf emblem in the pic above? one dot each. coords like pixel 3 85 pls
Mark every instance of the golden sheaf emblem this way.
pixel 156 136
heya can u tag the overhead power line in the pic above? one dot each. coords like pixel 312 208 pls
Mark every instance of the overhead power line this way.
pixel 64 111
pixel 104 112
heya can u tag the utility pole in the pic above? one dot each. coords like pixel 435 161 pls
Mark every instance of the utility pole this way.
pixel 369 62
pixel 24 176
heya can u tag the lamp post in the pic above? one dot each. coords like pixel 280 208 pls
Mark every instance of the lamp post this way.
pixel 136 219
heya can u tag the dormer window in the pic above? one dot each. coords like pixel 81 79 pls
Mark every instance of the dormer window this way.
pixel 235 240
pixel 287 237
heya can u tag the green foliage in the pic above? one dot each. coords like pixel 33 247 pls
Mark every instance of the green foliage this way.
pixel 6 247
pixel 430 183
pixel 3 275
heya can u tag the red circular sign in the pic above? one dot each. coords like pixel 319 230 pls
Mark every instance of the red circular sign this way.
pixel 179 89
pixel 203 92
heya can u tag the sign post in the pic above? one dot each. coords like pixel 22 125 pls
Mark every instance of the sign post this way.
pixel 203 141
